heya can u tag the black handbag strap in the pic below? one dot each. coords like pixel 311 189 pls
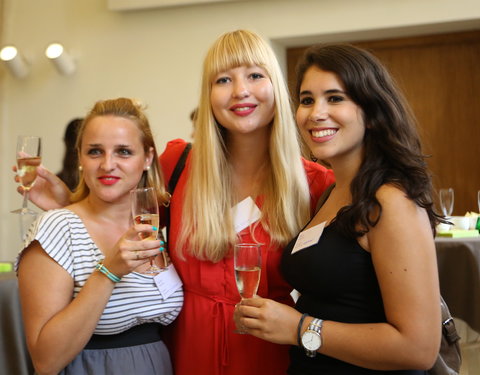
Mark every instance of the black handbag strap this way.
pixel 172 183
pixel 177 171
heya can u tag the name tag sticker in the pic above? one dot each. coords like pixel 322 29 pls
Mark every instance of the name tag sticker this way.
pixel 168 281
pixel 245 213
pixel 308 237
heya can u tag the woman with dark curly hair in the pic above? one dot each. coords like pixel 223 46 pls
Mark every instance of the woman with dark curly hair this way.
pixel 365 265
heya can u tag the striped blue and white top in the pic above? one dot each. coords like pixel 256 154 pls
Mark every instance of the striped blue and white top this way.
pixel 135 299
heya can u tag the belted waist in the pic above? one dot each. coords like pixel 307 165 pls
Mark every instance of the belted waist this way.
pixel 218 299
pixel 145 333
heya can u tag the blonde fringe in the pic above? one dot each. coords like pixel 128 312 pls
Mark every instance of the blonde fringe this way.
pixel 207 225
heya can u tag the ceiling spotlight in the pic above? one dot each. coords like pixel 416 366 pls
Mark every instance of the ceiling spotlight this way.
pixel 14 61
pixel 61 59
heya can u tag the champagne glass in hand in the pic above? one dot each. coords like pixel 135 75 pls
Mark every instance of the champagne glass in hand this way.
pixel 247 263
pixel 247 259
pixel 28 159
pixel 145 211
pixel 446 201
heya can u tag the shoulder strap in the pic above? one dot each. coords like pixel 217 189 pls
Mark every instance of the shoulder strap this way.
pixel 324 197
pixel 177 171
pixel 172 183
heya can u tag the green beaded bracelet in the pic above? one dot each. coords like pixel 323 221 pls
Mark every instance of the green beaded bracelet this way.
pixel 101 268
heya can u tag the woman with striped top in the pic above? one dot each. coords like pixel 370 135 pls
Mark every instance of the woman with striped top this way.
pixel 86 305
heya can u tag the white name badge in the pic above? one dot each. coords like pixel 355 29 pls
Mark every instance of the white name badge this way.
pixel 245 213
pixel 168 281
pixel 308 237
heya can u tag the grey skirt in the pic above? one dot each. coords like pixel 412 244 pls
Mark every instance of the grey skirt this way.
pixel 146 359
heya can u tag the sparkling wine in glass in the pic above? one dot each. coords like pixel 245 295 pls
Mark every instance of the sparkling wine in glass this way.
pixel 446 201
pixel 145 211
pixel 29 150
pixel 247 259
pixel 247 263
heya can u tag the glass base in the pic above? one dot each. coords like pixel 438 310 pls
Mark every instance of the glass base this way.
pixel 26 217
pixel 153 270
pixel 24 211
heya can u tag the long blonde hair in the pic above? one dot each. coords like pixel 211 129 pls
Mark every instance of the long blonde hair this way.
pixel 207 224
pixel 132 110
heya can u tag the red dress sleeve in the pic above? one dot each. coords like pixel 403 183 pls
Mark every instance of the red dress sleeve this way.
pixel 169 157
pixel 319 179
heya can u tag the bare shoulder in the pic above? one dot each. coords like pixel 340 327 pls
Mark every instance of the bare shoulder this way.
pixel 394 198
pixel 399 211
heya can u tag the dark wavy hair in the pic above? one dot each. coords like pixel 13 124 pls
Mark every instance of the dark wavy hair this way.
pixel 392 149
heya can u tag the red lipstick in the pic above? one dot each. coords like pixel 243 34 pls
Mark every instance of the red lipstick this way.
pixel 108 180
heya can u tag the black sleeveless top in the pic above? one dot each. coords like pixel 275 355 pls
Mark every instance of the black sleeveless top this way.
pixel 337 282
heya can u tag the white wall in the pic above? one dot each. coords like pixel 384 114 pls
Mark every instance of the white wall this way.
pixel 156 55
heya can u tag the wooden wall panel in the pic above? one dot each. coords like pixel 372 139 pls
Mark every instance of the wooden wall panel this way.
pixel 440 77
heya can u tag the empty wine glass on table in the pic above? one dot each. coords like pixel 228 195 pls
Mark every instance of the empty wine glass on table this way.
pixel 28 156
pixel 446 201
pixel 145 211
pixel 478 200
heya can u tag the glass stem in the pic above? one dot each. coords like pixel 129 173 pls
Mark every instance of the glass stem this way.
pixel 25 200
pixel 164 258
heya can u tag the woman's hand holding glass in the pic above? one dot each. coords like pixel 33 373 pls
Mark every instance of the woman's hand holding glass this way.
pixel 29 157
pixel 144 207
pixel 130 253
pixel 48 192
pixel 268 320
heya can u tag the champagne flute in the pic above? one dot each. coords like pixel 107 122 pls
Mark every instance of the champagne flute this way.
pixel 247 263
pixel 247 259
pixel 29 150
pixel 478 200
pixel 446 201
pixel 145 211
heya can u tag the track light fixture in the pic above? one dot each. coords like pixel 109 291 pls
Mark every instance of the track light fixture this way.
pixel 14 61
pixel 61 59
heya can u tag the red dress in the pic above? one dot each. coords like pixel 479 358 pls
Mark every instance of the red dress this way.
pixel 202 338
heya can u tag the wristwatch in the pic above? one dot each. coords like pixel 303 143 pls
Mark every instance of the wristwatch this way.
pixel 312 337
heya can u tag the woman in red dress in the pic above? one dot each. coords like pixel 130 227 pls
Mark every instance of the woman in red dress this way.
pixel 245 150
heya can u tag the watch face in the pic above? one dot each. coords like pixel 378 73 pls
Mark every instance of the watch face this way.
pixel 311 340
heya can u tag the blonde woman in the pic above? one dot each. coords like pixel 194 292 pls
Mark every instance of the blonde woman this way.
pixel 87 307
pixel 245 150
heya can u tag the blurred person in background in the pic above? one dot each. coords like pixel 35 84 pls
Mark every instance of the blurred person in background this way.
pixel 69 172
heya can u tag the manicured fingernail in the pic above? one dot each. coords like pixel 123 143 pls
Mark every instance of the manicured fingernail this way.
pixel 154 228
pixel 162 243
pixel 161 249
